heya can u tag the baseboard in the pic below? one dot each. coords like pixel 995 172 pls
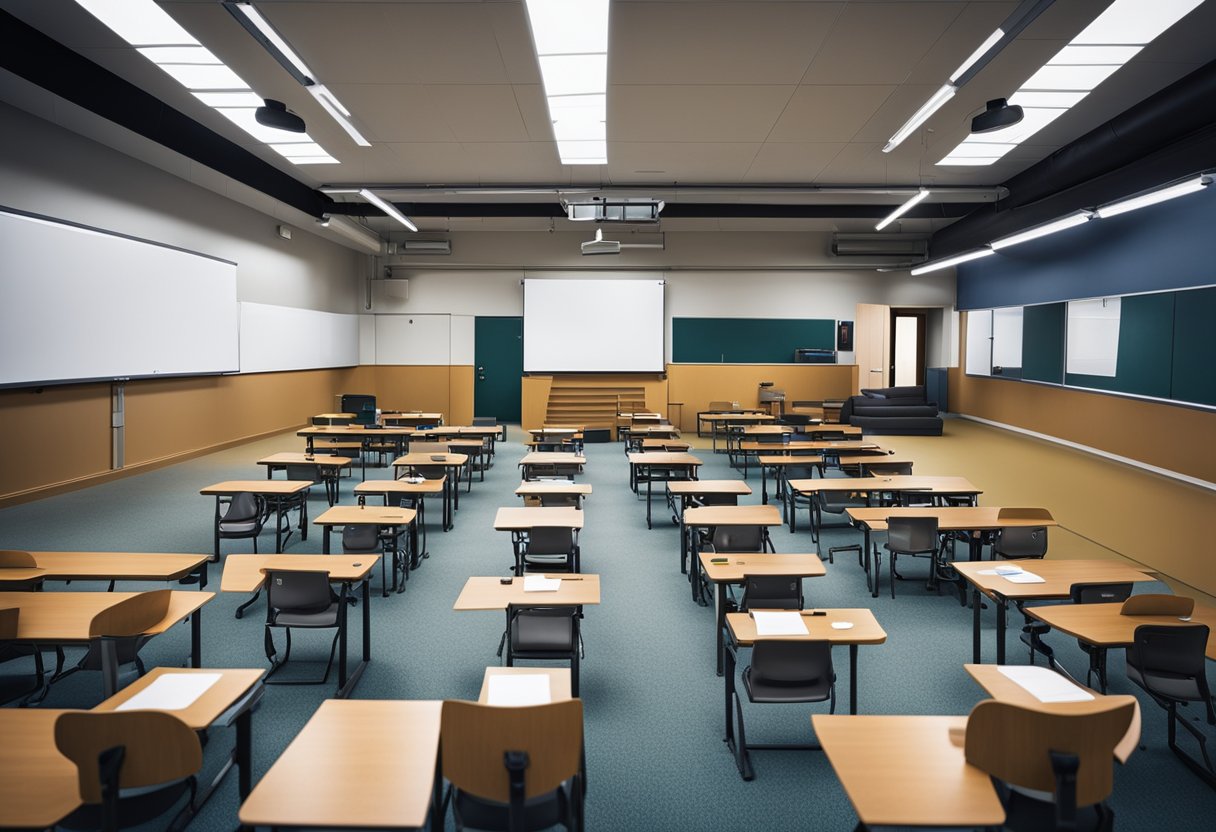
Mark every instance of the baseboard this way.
pixel 38 493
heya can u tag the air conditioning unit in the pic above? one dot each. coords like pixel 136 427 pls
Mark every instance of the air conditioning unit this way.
pixel 631 210
pixel 880 245
pixel 424 247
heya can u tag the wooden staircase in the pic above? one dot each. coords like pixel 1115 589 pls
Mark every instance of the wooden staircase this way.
pixel 591 403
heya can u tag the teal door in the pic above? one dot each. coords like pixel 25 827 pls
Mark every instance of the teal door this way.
pixel 498 349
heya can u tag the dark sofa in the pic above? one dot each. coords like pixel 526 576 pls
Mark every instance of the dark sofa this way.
pixel 893 410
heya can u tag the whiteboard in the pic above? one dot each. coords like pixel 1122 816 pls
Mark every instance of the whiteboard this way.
pixel 979 342
pixel 284 338
pixel 1093 337
pixel 574 325
pixel 419 340
pixel 78 304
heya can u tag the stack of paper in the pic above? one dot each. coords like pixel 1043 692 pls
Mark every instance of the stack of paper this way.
pixel 171 692
pixel 539 583
pixel 779 624
pixel 1045 685
pixel 1024 577
pixel 518 690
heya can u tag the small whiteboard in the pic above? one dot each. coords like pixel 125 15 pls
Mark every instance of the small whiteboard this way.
pixel 275 338
pixel 78 304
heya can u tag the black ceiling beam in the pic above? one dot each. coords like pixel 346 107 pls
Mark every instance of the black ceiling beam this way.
pixel 554 210
pixel 30 54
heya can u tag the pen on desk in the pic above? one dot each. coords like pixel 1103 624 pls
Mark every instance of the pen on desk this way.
pixel 812 613
pixel 561 578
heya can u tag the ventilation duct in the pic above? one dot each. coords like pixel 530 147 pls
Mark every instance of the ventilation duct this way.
pixel 880 245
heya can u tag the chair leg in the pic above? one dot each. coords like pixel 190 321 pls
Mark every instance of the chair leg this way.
pixel 1205 772
pixel 574 663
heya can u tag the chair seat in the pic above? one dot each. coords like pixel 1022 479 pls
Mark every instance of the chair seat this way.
pixel 541 812
pixel 245 527
pixel 774 691
pixel 323 618
pixel 1169 685
pixel 536 634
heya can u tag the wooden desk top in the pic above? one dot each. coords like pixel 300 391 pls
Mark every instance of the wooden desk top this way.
pixel 366 516
pixel 949 518
pixel 434 486
pixel 865 629
pixel 789 459
pixel 535 487
pixel 356 763
pixel 334 416
pixel 421 460
pixel 246 573
pixel 709 487
pixel 732 516
pixel 65 616
pixel 1059 576
pixel 905 771
pixel 652 430
pixel 552 457
pixel 38 785
pixel 663 458
pixel 458 430
pixel 354 430
pixel 875 459
pixel 554 431
pixel 559 681
pixel 752 445
pixel 289 458
pixel 912 482
pixel 492 594
pixel 277 488
pixel 230 687
pixel 739 566
pixel 657 445
pixel 522 518
pixel 112 566
pixel 1103 625
pixel 409 414
pixel 767 430
pixel 1002 688
pixel 735 416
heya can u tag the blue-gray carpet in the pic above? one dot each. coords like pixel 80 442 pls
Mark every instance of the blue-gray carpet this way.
pixel 655 755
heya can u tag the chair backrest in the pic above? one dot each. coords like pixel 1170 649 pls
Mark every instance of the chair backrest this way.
pixel 739 538
pixel 559 500
pixel 551 540
pixel 888 469
pixel 132 616
pixel 428 447
pixel 835 502
pixel 1010 513
pixel 160 748
pixel 828 435
pixel 792 662
pixel 771 592
pixel 474 738
pixel 912 534
pixel 15 558
pixel 360 539
pixel 8 622
pixel 1169 649
pixel 1021 542
pixel 1015 743
pixel 1099 593
pixel 303 472
pixel 298 590
pixel 1158 604
pixel 716 500
pixel 244 508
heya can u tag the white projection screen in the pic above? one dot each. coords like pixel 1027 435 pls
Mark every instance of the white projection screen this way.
pixel 593 326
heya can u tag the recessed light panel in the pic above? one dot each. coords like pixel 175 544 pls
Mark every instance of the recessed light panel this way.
pixel 1094 55
pixel 1135 21
pixel 205 76
pixel 139 22
pixel 1069 78
pixel 178 55
pixel 569 27
pixel 229 99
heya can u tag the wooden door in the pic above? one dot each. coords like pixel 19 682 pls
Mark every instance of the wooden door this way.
pixel 873 334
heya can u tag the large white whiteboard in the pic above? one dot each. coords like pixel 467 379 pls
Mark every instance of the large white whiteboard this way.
pixel 277 338
pixel 574 325
pixel 78 304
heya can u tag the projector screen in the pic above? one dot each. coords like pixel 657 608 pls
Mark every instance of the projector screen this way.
pixel 574 325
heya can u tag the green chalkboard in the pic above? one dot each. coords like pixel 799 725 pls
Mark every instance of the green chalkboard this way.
pixel 1146 345
pixel 1043 342
pixel 1194 369
pixel 747 340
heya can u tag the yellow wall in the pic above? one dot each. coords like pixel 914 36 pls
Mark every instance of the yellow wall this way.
pixel 53 435
pixel 696 385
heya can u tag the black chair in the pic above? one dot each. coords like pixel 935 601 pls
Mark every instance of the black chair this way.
pixel 546 634
pixel 783 673
pixel 560 500
pixel 771 592
pixel 298 502
pixel 1018 542
pixel 1168 662
pixel 913 537
pixel 889 469
pixel 377 540
pixel 789 498
pixel 1033 631
pixel 740 539
pixel 244 518
pixel 835 503
pixel 549 549
pixel 305 600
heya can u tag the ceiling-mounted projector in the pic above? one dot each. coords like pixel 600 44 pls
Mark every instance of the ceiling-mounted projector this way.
pixel 615 210
pixel 275 114
pixel 601 246
pixel 997 115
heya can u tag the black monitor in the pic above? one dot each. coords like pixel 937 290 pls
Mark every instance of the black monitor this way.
pixel 355 402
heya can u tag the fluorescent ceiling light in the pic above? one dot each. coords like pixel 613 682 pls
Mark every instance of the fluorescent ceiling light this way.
pixel 1042 98
pixel 1153 197
pixel 977 54
pixel 205 76
pixel 300 149
pixel 966 161
pixel 1074 54
pixel 354 232
pixel 583 152
pixel 339 113
pixel 1052 77
pixel 563 27
pixel 952 261
pixel 574 74
pixel 1042 230
pixel 979 150
pixel 276 40
pixel 243 117
pixel 178 55
pixel 915 200
pixel 312 160
pixel 388 208
pixel 139 22
pixel 921 116
pixel 230 99
pixel 578 117
pixel 1135 21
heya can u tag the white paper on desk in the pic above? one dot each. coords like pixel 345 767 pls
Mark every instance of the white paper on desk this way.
pixel 171 692
pixel 987 572
pixel 1024 578
pixel 1007 570
pixel 520 690
pixel 779 624
pixel 1044 684
pixel 539 583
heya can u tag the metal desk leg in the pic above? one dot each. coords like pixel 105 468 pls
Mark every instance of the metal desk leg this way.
pixel 852 678
pixel 244 753
pixel 1002 608
pixel 976 603
pixel 216 557
pixel 456 489
pixel 649 491
pixel 304 514
pixel 328 531
pixel 278 525
pixel 683 535
pixel 763 484
pixel 720 621
pixel 347 682
pixel 196 638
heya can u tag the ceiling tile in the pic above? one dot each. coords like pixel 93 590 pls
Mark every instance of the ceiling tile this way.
pixel 880 43
pixel 791 162
pixel 828 113
pixel 479 113
pixel 694 113
pixel 669 162
pixel 396 112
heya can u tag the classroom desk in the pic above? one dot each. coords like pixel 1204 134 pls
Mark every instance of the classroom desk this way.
pixel 549 460
pixel 689 490
pixel 559 681
pixel 397 492
pixel 708 517
pixel 108 566
pixel 741 628
pixel 779 462
pixel 50 618
pixel 383 517
pixel 279 495
pixel 639 434
pixel 661 445
pixel 489 433
pixel 717 419
pixel 829 449
pixel 660 466
pixel 245 574
pixel 519 521
pixel 865 461
pixel 361 433
pixel 1058 575
pixel 736 570
pixel 1102 625
pixel 905 771
pixel 356 764
pixel 39 786
pixel 451 465
pixel 540 488
pixel 412 419
pixel 329 467
pixel 972 519
pixel 893 484
pixel 555 439
pixel 481 593
pixel 333 418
